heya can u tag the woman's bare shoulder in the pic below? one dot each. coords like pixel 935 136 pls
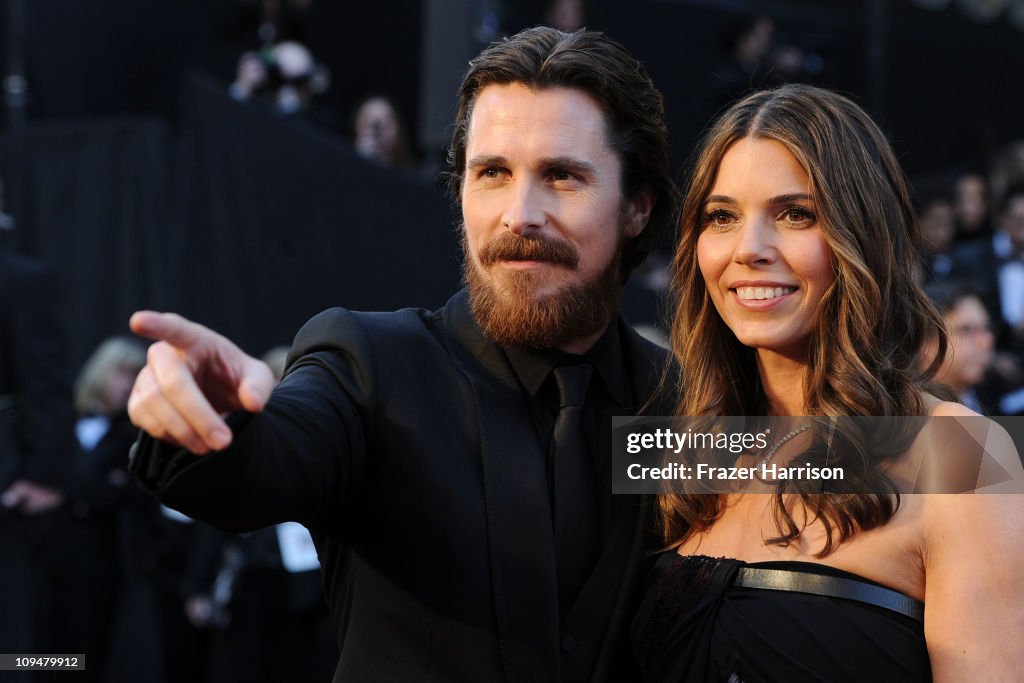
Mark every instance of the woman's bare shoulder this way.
pixel 936 407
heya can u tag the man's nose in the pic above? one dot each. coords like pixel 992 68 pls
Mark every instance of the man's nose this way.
pixel 525 210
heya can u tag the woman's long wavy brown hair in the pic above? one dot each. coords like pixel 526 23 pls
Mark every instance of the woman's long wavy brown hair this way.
pixel 863 354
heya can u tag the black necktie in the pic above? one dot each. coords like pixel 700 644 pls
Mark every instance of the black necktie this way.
pixel 574 508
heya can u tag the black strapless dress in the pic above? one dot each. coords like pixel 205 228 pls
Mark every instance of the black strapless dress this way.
pixel 695 625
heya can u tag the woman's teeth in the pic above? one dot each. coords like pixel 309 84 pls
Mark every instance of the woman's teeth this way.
pixel 763 292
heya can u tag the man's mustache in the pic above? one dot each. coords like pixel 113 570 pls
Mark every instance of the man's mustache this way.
pixel 511 247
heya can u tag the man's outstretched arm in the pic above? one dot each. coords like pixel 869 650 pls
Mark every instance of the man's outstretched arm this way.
pixel 220 448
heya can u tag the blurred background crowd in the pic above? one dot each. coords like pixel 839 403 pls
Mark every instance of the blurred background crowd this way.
pixel 248 163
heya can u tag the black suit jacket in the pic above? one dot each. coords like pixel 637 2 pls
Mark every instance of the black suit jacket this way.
pixel 404 442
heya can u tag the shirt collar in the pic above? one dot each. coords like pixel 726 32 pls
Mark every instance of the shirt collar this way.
pixel 532 366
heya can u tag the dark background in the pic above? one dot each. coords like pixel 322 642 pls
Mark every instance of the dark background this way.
pixel 145 186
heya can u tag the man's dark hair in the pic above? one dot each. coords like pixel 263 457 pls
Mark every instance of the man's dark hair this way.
pixel 589 61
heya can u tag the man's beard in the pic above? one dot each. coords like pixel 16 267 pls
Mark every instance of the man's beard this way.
pixel 510 313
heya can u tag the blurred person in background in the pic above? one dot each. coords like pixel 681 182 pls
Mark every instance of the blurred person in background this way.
pixel 971 344
pixel 379 132
pixel 756 56
pixel 995 265
pixel 566 15
pixel 115 573
pixel 101 399
pixel 746 43
pixel 250 77
pixel 285 76
pixel 79 562
pixel 36 435
pixel 1006 169
pixel 937 223
pixel 971 206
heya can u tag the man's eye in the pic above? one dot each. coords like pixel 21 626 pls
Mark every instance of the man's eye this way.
pixel 490 173
pixel 561 175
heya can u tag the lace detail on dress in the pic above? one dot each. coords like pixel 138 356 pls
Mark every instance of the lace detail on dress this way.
pixel 680 584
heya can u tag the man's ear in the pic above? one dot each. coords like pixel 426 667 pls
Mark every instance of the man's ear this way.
pixel 636 211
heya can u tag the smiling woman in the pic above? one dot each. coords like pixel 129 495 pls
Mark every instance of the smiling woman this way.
pixel 797 298
pixel 761 251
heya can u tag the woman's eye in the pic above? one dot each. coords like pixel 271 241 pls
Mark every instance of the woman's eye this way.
pixel 718 218
pixel 798 216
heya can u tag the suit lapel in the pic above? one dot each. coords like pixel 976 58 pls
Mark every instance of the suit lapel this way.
pixel 517 503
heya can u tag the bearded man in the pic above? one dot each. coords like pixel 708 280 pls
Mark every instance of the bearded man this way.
pixel 453 466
